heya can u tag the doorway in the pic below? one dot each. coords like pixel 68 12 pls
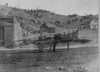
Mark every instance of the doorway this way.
pixel 1 36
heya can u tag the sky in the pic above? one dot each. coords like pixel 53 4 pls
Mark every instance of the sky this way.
pixel 64 7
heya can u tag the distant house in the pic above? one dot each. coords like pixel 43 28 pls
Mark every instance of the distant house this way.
pixel 48 29
pixel 94 24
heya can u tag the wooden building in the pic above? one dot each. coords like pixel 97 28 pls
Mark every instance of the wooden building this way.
pixel 10 30
pixel 46 28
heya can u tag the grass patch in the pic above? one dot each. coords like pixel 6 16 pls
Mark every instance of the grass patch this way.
pixel 60 57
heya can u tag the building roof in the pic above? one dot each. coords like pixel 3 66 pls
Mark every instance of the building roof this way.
pixel 50 25
pixel 95 20
pixel 47 26
pixel 2 23
pixel 44 26
pixel 7 19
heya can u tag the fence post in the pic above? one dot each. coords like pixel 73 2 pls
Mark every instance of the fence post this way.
pixel 68 45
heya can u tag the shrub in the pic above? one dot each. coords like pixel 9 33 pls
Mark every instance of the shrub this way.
pixel 10 46
pixel 68 21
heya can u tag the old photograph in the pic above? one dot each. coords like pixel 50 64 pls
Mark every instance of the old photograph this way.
pixel 49 36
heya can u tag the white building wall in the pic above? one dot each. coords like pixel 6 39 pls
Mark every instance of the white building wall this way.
pixel 17 30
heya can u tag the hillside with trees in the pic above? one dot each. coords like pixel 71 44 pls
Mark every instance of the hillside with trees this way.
pixel 31 20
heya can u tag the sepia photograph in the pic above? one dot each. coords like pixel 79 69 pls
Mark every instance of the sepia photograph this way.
pixel 49 36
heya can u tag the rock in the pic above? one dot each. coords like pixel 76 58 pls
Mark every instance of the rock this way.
pixel 86 69
pixel 8 55
pixel 70 70
pixel 61 68
pixel 48 68
pixel 79 69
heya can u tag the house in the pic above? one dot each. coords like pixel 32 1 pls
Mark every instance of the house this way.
pixel 94 24
pixel 10 30
pixel 47 28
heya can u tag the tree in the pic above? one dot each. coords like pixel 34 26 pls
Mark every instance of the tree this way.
pixel 81 20
pixel 76 19
pixel 68 21
pixel 84 17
